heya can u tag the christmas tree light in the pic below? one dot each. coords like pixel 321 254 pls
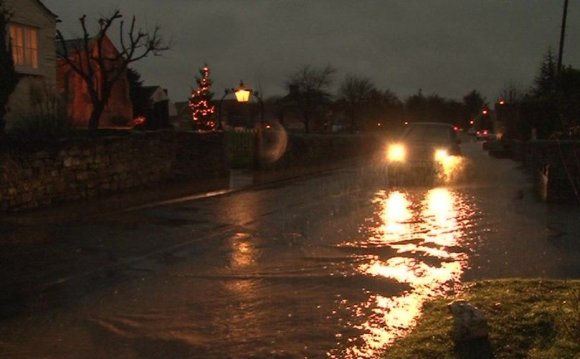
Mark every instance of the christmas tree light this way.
pixel 202 110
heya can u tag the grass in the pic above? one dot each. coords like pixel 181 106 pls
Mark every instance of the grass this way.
pixel 527 319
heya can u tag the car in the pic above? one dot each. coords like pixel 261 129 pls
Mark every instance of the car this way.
pixel 423 148
pixel 483 134
pixel 489 138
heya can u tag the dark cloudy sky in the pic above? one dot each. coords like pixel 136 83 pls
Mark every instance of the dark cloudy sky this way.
pixel 448 47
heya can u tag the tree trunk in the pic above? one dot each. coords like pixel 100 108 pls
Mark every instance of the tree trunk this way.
pixel 96 116
pixel 99 104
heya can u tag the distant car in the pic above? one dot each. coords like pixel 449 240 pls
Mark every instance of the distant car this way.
pixel 423 147
pixel 483 134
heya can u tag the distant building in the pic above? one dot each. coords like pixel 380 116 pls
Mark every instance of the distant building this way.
pixel 32 30
pixel 183 117
pixel 73 89
pixel 157 107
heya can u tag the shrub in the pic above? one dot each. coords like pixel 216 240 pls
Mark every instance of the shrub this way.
pixel 41 126
pixel 47 118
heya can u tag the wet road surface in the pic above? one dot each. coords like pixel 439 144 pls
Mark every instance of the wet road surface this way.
pixel 337 265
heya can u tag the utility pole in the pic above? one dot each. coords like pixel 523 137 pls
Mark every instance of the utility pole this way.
pixel 562 36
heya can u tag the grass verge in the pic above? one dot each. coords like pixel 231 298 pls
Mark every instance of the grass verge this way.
pixel 527 319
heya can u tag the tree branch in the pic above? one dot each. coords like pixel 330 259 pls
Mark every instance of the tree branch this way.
pixel 102 69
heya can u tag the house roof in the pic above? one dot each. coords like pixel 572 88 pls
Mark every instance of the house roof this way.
pixel 74 45
pixel 46 9
pixel 70 45
pixel 148 91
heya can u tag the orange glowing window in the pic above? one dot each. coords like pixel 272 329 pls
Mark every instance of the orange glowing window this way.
pixel 24 41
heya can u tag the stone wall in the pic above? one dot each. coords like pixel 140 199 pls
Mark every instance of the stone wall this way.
pixel 84 168
pixel 90 167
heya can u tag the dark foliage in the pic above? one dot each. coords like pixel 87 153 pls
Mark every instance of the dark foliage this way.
pixel 309 94
pixel 354 97
pixel 434 108
pixel 8 76
pixel 473 103
pixel 137 93
pixel 551 109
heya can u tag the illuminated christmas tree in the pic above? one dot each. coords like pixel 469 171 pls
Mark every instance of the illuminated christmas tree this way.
pixel 202 110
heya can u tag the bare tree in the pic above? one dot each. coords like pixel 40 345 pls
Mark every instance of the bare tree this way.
pixel 8 75
pixel 309 90
pixel 354 94
pixel 99 70
pixel 384 111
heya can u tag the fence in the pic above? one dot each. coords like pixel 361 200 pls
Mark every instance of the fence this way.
pixel 557 164
pixel 241 148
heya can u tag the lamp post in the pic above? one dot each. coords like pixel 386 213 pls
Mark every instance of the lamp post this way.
pixel 219 122
pixel 243 95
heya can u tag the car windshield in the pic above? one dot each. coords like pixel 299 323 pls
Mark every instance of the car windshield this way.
pixel 427 133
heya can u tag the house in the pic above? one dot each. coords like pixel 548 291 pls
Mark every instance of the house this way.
pixel 74 90
pixel 182 118
pixel 155 107
pixel 32 30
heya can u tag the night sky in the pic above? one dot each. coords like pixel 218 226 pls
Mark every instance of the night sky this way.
pixel 448 47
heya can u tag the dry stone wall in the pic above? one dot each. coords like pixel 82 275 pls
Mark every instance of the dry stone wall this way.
pixel 86 168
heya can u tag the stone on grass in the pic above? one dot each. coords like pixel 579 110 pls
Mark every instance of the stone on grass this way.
pixel 468 321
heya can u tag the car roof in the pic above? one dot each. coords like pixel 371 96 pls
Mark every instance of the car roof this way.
pixel 428 132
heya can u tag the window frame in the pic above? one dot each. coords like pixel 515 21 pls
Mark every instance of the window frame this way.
pixel 25 46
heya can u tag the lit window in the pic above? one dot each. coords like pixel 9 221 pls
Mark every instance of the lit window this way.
pixel 24 41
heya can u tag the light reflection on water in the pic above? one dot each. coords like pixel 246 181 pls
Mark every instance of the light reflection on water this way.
pixel 452 167
pixel 425 234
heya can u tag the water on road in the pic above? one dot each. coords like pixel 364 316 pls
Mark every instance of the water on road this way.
pixel 335 266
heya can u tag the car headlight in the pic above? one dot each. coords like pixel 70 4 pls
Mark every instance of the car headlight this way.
pixel 396 153
pixel 441 155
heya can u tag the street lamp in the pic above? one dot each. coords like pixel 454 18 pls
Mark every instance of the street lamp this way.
pixel 243 95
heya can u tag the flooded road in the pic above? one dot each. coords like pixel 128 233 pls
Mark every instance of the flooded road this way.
pixel 334 266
